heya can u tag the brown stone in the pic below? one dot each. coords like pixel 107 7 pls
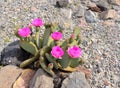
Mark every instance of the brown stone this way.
pixel 109 14
pixel 85 71
pixel 8 75
pixel 93 7
pixel 33 9
pixel 109 23
pixel 24 79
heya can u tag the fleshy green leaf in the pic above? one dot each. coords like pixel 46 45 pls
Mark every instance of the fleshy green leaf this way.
pixel 74 62
pixel 46 36
pixel 76 31
pixel 29 47
pixel 64 62
pixel 44 66
pixel 52 60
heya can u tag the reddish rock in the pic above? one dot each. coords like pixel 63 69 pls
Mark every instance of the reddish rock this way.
pixel 24 79
pixel 109 14
pixel 83 22
pixel 8 75
pixel 93 7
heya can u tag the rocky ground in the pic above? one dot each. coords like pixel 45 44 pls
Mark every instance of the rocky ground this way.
pixel 100 30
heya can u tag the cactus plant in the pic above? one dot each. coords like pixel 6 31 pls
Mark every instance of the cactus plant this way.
pixel 66 55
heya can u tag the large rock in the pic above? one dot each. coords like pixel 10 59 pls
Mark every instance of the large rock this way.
pixel 75 80
pixel 109 14
pixel 24 79
pixel 80 11
pixel 63 3
pixel 8 75
pixel 90 16
pixel 13 54
pixel 115 2
pixel 41 80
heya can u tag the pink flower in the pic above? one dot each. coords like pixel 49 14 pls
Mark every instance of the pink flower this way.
pixel 57 52
pixel 24 32
pixel 74 52
pixel 37 22
pixel 56 35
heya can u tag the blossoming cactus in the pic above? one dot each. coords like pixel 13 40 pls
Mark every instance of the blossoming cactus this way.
pixel 50 51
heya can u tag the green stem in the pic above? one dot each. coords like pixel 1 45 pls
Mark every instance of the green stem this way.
pixel 29 61
pixel 37 29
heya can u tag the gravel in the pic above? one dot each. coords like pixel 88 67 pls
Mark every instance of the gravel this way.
pixel 101 43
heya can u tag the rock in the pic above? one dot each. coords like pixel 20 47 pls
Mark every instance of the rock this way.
pixel 107 87
pixel 83 22
pixel 75 80
pixel 90 17
pixel 8 75
pixel 41 80
pixel 94 0
pixel 85 71
pixel 109 14
pixel 67 13
pixel 24 79
pixel 93 7
pixel 104 5
pixel 115 2
pixel 117 18
pixel 108 23
pixel 63 3
pixel 80 12
pixel 13 54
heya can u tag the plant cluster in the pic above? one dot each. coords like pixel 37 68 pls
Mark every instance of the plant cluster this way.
pixel 50 51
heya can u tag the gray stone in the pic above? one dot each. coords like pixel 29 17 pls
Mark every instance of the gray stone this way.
pixel 63 3
pixel 75 80
pixel 67 13
pixel 41 80
pixel 115 2
pixel 103 5
pixel 80 12
pixel 8 75
pixel 94 0
pixel 13 54
pixel 90 17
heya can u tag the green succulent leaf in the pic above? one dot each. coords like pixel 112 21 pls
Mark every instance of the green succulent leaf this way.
pixel 52 60
pixel 44 66
pixel 64 62
pixel 29 47
pixel 54 26
pixel 76 31
pixel 38 40
pixel 46 36
pixel 73 43
pixel 65 44
pixel 74 62
pixel 29 61
pixel 50 41
pixel 45 49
